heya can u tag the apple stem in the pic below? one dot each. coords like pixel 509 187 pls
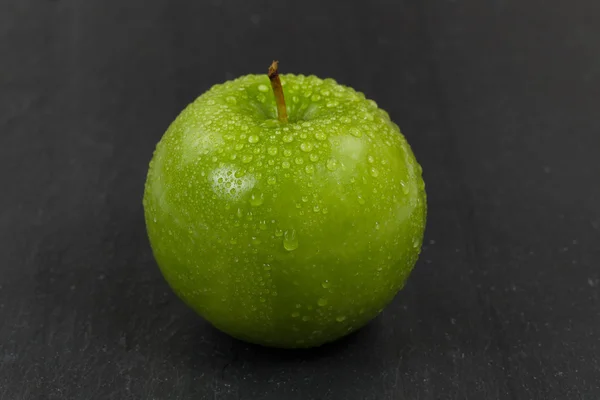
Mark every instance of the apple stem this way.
pixel 278 91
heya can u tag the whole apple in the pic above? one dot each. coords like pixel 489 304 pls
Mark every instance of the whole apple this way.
pixel 286 232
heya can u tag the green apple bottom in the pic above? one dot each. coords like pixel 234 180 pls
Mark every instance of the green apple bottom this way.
pixel 285 234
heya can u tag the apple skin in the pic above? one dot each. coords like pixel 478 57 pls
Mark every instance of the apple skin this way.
pixel 285 234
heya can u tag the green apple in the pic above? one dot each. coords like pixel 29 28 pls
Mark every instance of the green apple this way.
pixel 286 232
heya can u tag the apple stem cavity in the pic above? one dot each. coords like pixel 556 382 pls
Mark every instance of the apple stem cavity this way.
pixel 278 91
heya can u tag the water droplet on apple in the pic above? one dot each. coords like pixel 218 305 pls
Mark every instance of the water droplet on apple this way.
pixel 314 157
pixel 340 318
pixel 325 284
pixel 306 147
pixel 272 150
pixel 320 136
pixel 404 187
pixel 253 139
pixel 256 199
pixel 355 132
pixel 299 160
pixel 262 299
pixel 288 138
pixel 332 164
pixel 263 88
pixel 231 100
pixel 271 180
pixel 322 302
pixel 295 314
pixel 416 242
pixel 290 240
pixel 305 318
pixel 361 200
pixel 246 158
pixel 309 169
pixel 325 92
pixel 325 210
pixel 374 172
pixel 315 97
pixel 278 232
pixel 285 165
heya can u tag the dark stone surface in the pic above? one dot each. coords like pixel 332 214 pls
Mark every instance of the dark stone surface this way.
pixel 499 100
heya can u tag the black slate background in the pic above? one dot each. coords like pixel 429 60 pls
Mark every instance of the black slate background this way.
pixel 499 99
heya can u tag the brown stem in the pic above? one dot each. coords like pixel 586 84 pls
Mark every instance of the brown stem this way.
pixel 278 91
